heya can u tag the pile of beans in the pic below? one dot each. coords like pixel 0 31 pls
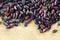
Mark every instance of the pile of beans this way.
pixel 43 13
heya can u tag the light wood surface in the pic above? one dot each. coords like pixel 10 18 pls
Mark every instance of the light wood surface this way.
pixel 28 33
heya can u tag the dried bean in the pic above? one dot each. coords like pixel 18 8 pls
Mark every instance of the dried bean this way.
pixel 42 26
pixel 27 10
pixel 25 24
pixel 9 26
pixel 15 24
pixel 29 20
pixel 45 29
pixel 41 31
pixel 58 23
pixel 54 31
pixel 39 26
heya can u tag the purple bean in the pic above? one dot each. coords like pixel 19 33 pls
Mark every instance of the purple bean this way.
pixel 5 23
pixel 27 11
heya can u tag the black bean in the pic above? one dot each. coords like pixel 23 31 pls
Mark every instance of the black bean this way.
pixel 23 2
pixel 41 31
pixel 54 31
pixel 16 21
pixel 22 20
pixel 58 23
pixel 4 19
pixel 5 23
pixel 15 7
pixel 28 20
pixel 10 21
pixel 12 10
pixel 7 9
pixel 17 14
pixel 39 26
pixel 42 26
pixel 21 12
pixel 36 20
pixel 9 17
pixel 15 24
pixel 27 17
pixel 45 29
pixel 8 27
pixel 27 10
pixel 1 6
pixel 25 24
pixel 14 15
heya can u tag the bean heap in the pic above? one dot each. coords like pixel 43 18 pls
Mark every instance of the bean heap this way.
pixel 43 13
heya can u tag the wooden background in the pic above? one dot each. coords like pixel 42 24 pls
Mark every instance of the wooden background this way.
pixel 28 33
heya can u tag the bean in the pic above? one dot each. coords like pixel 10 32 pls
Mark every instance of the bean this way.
pixel 23 2
pixel 5 23
pixel 27 17
pixel 54 31
pixel 39 26
pixel 0 5
pixel 16 21
pixel 12 10
pixel 45 29
pixel 15 7
pixel 27 10
pixel 58 23
pixel 29 20
pixel 4 19
pixel 25 24
pixel 15 24
pixel 14 15
pixel 42 26
pixel 8 27
pixel 36 20
pixel 41 31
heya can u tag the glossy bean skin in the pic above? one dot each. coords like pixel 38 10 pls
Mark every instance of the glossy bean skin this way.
pixel 27 22
pixel 54 31
pixel 9 26
pixel 43 14
pixel 59 23
pixel 36 20
pixel 15 24
pixel 39 26
pixel 5 23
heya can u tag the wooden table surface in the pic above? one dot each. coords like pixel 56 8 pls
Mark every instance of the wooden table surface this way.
pixel 28 33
